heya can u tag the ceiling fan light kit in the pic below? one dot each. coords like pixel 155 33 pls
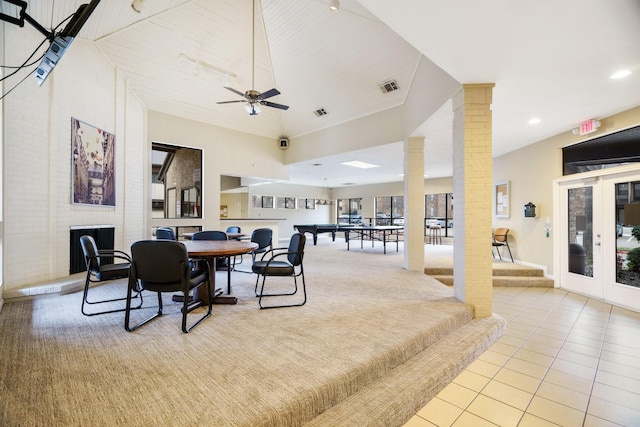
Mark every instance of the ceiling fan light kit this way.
pixel 252 97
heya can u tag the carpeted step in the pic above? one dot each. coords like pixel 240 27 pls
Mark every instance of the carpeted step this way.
pixel 393 399
pixel 507 281
pixel 504 275
pixel 498 270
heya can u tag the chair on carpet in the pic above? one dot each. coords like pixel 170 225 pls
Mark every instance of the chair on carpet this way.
pixel 222 262
pixel 163 266
pixel 264 238
pixel 501 240
pixel 166 233
pixel 101 268
pixel 282 262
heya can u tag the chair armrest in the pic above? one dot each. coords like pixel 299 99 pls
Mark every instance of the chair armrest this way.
pixel 114 254
pixel 203 260
pixel 272 251
pixel 279 254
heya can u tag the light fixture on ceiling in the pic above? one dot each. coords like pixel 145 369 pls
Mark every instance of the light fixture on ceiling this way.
pixel 136 5
pixel 621 74
pixel 252 96
pixel 534 121
pixel 360 164
pixel 253 109
pixel 334 5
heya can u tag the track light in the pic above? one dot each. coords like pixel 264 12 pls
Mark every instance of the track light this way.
pixel 136 5
pixel 334 5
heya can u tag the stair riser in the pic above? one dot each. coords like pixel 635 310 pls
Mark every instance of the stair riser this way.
pixel 529 272
pixel 507 282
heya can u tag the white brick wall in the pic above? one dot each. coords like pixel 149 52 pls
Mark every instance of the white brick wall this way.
pixel 37 168
pixel 472 186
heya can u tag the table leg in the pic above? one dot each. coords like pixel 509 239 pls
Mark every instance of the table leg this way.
pixel 201 296
pixel 384 240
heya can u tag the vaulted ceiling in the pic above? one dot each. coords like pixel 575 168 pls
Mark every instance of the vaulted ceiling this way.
pixel 550 60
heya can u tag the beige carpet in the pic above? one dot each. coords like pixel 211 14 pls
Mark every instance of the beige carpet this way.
pixel 364 317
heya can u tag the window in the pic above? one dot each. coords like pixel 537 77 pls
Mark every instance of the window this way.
pixel 350 211
pixel 389 210
pixel 438 210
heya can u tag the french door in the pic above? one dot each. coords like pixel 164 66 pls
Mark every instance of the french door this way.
pixel 596 249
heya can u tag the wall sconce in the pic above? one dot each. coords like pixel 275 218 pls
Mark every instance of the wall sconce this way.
pixel 529 210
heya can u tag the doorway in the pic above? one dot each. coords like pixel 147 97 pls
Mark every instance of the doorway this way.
pixel 598 253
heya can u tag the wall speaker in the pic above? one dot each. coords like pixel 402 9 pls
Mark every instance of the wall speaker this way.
pixel 283 143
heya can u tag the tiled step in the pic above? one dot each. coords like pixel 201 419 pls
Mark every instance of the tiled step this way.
pixel 512 275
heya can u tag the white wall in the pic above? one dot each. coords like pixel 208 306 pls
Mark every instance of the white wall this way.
pixel 38 212
pixel 530 172
pixel 224 152
pixel 322 214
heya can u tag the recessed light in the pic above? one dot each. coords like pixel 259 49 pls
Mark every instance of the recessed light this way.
pixel 534 121
pixel 620 74
pixel 360 164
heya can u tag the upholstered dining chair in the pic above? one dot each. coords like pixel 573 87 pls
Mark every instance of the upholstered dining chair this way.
pixel 101 268
pixel 501 240
pixel 233 229
pixel 166 233
pixel 264 238
pixel 223 262
pixel 282 262
pixel 163 266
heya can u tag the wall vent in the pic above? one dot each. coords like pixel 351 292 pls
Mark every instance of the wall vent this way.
pixel 389 86
pixel 321 112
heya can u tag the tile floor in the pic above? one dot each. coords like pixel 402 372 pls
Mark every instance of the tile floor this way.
pixel 564 360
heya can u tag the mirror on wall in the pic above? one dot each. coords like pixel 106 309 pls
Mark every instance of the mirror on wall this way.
pixel 176 176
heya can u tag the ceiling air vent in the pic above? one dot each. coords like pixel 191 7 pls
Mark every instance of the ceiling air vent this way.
pixel 389 86
pixel 321 112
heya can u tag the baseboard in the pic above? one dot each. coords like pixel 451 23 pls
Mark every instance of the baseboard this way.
pixel 59 286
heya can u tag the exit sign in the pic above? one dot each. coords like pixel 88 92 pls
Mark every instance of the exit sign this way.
pixel 589 126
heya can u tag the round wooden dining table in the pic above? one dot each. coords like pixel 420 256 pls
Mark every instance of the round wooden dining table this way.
pixel 210 250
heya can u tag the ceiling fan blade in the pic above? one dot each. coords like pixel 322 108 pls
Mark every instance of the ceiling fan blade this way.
pixel 231 102
pixel 235 91
pixel 269 94
pixel 274 105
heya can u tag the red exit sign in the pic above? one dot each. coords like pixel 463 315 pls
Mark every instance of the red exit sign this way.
pixel 589 126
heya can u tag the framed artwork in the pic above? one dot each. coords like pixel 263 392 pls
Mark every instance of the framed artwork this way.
pixel 93 165
pixel 311 203
pixel 267 202
pixel 286 202
pixel 502 199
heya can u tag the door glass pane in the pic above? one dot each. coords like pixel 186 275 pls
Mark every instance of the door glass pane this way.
pixel 627 234
pixel 581 231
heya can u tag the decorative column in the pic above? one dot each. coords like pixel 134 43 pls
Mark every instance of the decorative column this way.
pixel 414 204
pixel 472 190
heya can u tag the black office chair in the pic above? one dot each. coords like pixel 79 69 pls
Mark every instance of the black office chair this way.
pixel 166 233
pixel 222 262
pixel 163 266
pixel 264 238
pixel 282 262
pixel 101 268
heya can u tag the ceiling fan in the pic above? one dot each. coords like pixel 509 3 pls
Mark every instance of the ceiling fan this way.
pixel 252 97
